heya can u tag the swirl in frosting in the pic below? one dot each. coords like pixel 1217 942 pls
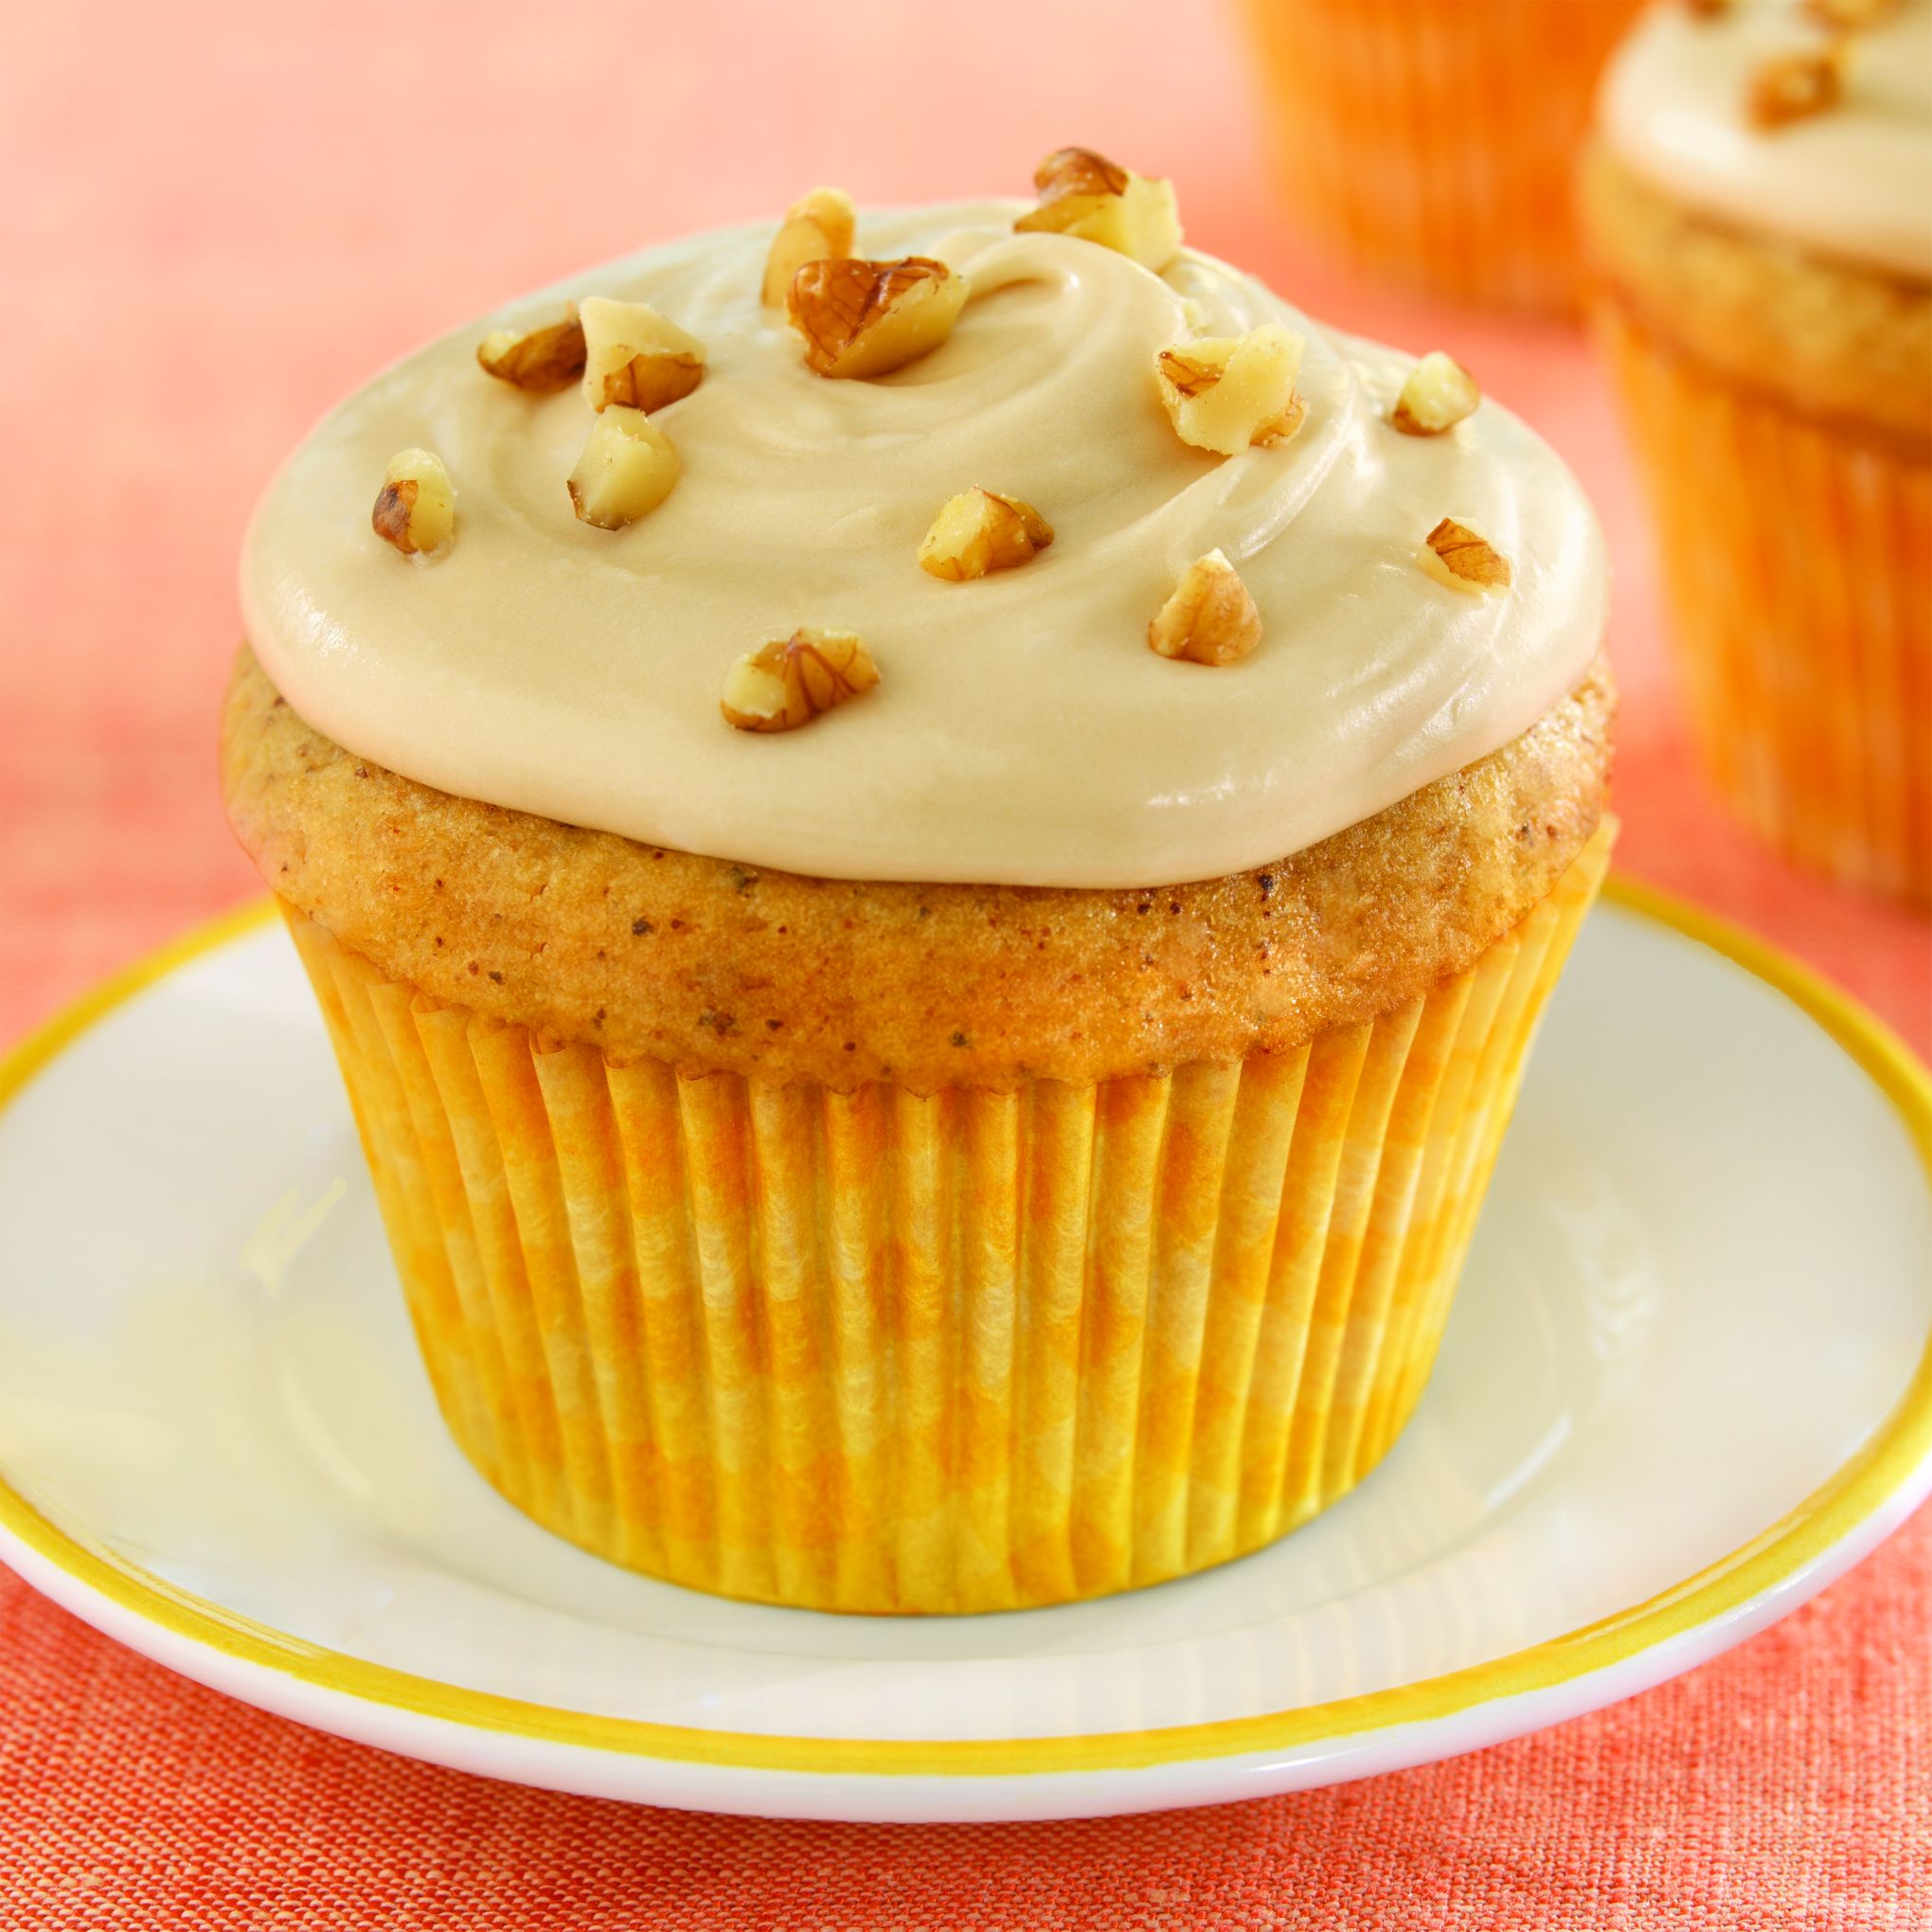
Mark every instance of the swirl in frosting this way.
pixel 1854 181
pixel 1023 733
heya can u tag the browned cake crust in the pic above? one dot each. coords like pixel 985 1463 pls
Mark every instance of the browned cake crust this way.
pixel 1833 341
pixel 709 965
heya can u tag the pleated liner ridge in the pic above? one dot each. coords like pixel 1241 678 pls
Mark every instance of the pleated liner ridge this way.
pixel 1798 559
pixel 890 1352
pixel 1432 140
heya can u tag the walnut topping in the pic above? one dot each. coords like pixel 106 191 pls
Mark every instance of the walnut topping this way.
pixel 1085 194
pixel 1453 554
pixel 819 227
pixel 1080 171
pixel 1850 16
pixel 1795 87
pixel 1440 393
pixel 1210 618
pixel 981 530
pixel 629 466
pixel 636 358
pixel 1707 9
pixel 541 361
pixel 1225 392
pixel 789 681
pixel 867 318
pixel 417 507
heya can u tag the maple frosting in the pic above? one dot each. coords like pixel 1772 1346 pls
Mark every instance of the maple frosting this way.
pixel 1853 181
pixel 1021 732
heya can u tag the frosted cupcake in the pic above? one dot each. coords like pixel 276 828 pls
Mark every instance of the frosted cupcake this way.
pixel 931 871
pixel 1759 214
pixel 1433 140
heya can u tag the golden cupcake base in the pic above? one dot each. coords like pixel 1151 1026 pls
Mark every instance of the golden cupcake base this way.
pixel 1797 558
pixel 891 1352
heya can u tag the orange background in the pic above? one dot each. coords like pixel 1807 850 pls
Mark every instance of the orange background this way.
pixel 216 218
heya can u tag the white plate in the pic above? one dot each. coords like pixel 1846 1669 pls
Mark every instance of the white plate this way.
pixel 1687 1384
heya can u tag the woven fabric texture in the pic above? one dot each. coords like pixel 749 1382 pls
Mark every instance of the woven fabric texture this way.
pixel 218 217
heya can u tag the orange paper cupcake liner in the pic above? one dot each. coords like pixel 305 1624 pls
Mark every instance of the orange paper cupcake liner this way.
pixel 892 1351
pixel 1797 558
pixel 1432 140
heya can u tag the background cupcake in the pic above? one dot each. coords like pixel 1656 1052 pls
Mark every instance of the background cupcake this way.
pixel 1432 140
pixel 995 1115
pixel 1757 209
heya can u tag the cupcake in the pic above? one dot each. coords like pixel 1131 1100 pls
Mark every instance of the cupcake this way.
pixel 1433 140
pixel 931 870
pixel 1758 211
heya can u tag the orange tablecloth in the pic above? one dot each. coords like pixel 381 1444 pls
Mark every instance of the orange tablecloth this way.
pixel 215 218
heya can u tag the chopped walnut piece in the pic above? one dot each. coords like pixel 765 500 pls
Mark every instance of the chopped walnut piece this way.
pixel 1707 9
pixel 867 318
pixel 1440 393
pixel 636 358
pixel 981 531
pixel 1451 553
pixel 1085 194
pixel 416 508
pixel 629 466
pixel 1210 618
pixel 789 681
pixel 818 227
pixel 540 361
pixel 1850 16
pixel 1225 392
pixel 1794 87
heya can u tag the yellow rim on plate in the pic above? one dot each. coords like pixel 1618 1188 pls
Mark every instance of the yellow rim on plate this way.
pixel 1862 1486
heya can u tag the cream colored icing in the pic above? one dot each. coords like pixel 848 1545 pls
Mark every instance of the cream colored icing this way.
pixel 1023 733
pixel 1853 181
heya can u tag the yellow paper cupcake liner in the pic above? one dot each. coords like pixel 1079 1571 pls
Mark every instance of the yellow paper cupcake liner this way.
pixel 892 1351
pixel 1432 140
pixel 1798 559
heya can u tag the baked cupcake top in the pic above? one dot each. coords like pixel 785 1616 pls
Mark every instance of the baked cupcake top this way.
pixel 1183 662
pixel 1806 119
